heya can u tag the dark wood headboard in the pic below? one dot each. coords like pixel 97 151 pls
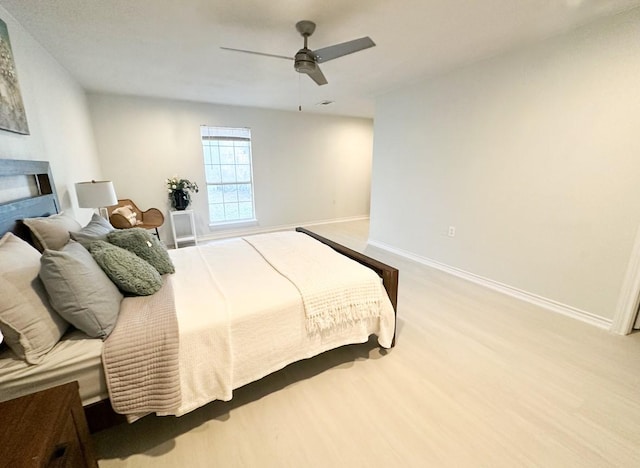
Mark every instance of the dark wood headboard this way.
pixel 44 203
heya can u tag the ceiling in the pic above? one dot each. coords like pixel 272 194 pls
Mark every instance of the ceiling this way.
pixel 169 48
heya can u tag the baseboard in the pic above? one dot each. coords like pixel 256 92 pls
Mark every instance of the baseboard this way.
pixel 247 231
pixel 548 304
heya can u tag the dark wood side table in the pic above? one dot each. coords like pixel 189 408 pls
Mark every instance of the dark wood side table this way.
pixel 46 429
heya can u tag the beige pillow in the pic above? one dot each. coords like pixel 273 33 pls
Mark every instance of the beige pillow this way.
pixel 29 325
pixel 127 212
pixel 51 232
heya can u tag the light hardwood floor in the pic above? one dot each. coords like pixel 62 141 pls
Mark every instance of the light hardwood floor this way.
pixel 477 379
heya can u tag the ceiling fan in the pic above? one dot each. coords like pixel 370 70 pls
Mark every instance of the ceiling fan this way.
pixel 306 60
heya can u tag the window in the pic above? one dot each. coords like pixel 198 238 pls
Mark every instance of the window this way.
pixel 228 173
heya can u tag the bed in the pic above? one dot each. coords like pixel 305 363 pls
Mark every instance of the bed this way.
pixel 244 307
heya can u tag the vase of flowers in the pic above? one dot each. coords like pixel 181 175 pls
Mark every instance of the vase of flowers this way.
pixel 180 192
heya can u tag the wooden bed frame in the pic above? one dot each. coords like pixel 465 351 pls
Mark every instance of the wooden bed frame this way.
pixel 100 415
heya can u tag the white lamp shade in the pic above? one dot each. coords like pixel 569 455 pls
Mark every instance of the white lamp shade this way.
pixel 96 194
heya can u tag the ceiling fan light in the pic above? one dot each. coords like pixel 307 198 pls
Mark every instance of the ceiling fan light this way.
pixel 304 66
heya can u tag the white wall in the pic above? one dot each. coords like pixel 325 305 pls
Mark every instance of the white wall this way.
pixel 533 156
pixel 56 108
pixel 306 167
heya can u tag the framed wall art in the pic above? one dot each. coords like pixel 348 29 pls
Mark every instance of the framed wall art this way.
pixel 12 115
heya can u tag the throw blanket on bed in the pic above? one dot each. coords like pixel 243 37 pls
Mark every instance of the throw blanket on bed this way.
pixel 140 357
pixel 335 290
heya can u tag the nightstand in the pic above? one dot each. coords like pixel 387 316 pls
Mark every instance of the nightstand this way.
pixel 46 429
pixel 181 236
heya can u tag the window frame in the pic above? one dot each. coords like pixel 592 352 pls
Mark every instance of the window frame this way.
pixel 234 134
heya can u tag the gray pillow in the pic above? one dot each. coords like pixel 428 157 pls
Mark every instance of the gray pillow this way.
pixel 128 271
pixel 144 245
pixel 79 290
pixel 29 325
pixel 97 229
pixel 51 232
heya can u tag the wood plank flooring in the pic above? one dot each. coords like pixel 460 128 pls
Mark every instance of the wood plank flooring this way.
pixel 477 379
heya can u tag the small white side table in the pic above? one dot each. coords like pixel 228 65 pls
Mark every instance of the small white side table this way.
pixel 189 237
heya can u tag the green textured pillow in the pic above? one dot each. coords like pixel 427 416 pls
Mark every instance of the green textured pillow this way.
pixel 128 271
pixel 144 245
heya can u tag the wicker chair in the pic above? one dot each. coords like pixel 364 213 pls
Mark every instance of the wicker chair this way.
pixel 150 219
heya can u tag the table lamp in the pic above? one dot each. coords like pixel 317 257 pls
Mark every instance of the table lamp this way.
pixel 96 194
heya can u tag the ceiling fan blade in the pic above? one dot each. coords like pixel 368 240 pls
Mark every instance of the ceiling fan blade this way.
pixel 317 76
pixel 345 48
pixel 257 53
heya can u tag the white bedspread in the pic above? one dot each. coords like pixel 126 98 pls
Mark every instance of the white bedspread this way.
pixel 240 323
pixel 331 301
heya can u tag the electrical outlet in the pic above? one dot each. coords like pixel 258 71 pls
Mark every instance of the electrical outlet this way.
pixel 452 231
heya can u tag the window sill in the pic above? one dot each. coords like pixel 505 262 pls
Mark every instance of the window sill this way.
pixel 234 224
